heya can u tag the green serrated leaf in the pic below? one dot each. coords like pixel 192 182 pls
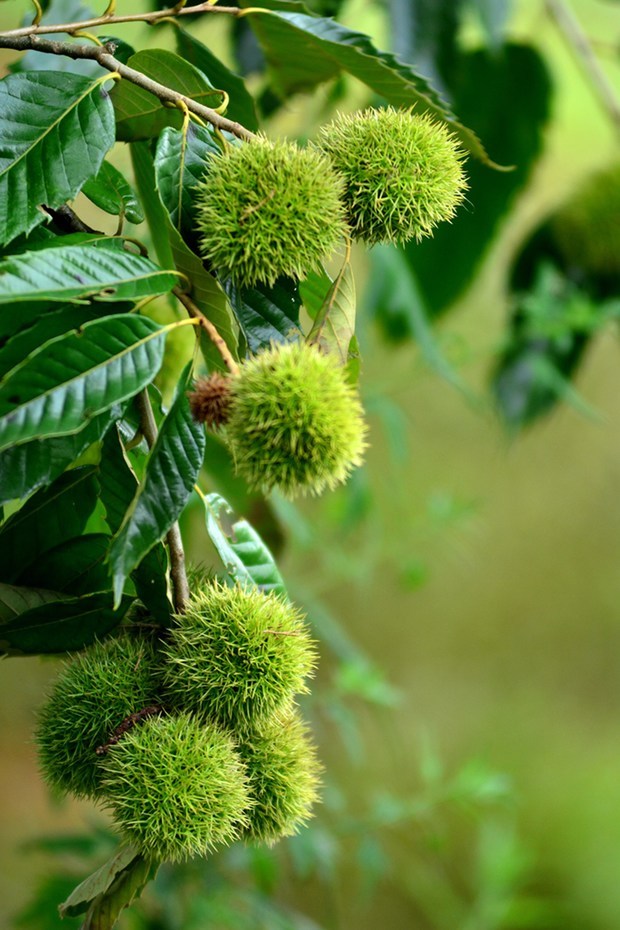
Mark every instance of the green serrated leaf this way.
pixel 156 217
pixel 267 314
pixel 140 115
pixel 55 130
pixel 171 472
pixel 127 886
pixel 16 600
pixel 334 324
pixel 111 192
pixel 180 161
pixel 73 273
pixel 98 883
pixel 118 484
pixel 244 554
pixel 34 464
pixel 50 517
pixel 74 377
pixel 61 626
pixel 304 51
pixel 241 107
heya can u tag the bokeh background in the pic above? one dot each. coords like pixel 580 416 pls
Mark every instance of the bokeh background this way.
pixel 465 587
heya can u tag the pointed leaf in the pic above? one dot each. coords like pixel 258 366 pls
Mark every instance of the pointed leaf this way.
pixel 267 314
pixel 334 326
pixel 141 115
pixel 15 600
pixel 170 475
pixel 127 886
pixel 79 271
pixel 61 626
pixel 111 192
pixel 74 377
pixel 98 883
pixel 241 106
pixel 245 556
pixel 180 162
pixel 304 51
pixel 33 464
pixel 50 517
pixel 55 130
pixel 118 484
pixel 144 174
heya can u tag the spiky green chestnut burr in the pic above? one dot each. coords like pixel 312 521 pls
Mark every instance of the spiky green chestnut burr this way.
pixel 94 694
pixel 176 787
pixel 283 773
pixel 268 209
pixel 295 423
pixel 236 655
pixel 403 172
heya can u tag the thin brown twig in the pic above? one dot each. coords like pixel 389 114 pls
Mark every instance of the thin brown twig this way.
pixel 209 328
pixel 103 55
pixel 154 17
pixel 153 710
pixel 577 40
pixel 180 587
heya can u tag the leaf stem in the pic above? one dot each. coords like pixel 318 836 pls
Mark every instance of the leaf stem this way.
pixel 104 57
pixel 209 328
pixel 178 575
pixel 109 19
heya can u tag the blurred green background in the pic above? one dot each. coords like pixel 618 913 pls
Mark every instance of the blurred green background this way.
pixel 480 772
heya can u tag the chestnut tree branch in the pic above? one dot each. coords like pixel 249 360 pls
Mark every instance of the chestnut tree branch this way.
pixel 41 29
pixel 209 328
pixel 180 587
pixel 103 55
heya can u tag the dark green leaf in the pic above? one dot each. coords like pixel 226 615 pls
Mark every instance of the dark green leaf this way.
pixel 180 162
pixel 111 192
pixel 80 271
pixel 75 567
pixel 314 290
pixel 304 51
pixel 139 114
pixel 334 324
pixel 98 883
pixel 241 106
pixel 118 486
pixel 245 556
pixel 170 475
pixel 156 216
pixel 267 314
pixel 62 626
pixel 55 130
pixel 16 600
pixel 74 377
pixel 49 518
pixel 33 464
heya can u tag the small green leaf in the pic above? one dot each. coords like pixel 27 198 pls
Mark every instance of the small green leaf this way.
pixel 267 314
pixel 74 377
pixel 334 325
pixel 37 463
pixel 245 556
pixel 241 105
pixel 111 192
pixel 61 626
pixel 304 51
pixel 139 114
pixel 127 886
pixel 171 472
pixel 55 130
pixel 50 517
pixel 16 600
pixel 73 273
pixel 98 883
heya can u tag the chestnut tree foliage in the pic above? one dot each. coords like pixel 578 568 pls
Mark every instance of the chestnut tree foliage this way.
pixel 100 453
